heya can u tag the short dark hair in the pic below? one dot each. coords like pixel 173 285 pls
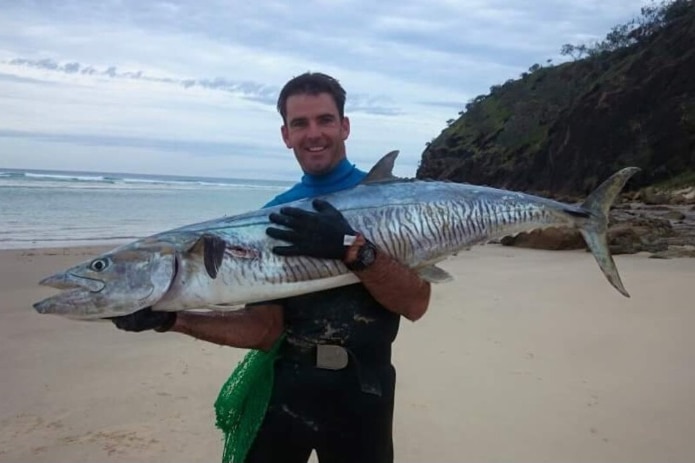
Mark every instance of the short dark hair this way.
pixel 312 83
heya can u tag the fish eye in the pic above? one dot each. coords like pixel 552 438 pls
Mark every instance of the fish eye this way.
pixel 99 265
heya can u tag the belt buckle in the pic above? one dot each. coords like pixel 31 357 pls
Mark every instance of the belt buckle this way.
pixel 331 357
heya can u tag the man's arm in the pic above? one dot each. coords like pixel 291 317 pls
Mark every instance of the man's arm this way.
pixel 256 326
pixel 253 327
pixel 395 286
pixel 322 234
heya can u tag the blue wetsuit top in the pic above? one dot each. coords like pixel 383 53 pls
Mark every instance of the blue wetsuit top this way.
pixel 344 176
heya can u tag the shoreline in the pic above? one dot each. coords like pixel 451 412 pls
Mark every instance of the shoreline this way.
pixel 67 244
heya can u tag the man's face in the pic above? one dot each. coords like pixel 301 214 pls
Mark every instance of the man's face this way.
pixel 315 132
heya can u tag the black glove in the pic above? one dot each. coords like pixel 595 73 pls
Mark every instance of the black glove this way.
pixel 145 319
pixel 314 234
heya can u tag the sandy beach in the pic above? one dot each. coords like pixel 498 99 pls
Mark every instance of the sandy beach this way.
pixel 528 356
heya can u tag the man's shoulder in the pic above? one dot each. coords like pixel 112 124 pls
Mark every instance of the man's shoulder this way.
pixel 287 196
pixel 302 191
pixel 357 176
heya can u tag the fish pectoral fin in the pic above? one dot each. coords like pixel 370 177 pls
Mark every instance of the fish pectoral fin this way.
pixel 211 248
pixel 434 274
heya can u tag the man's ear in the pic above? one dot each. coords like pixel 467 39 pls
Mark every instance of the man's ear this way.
pixel 285 135
pixel 346 127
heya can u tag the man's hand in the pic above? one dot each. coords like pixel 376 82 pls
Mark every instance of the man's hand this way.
pixel 315 234
pixel 145 319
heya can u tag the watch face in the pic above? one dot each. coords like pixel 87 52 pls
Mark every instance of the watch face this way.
pixel 367 254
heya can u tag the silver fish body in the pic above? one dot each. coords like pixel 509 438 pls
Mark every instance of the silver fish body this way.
pixel 229 261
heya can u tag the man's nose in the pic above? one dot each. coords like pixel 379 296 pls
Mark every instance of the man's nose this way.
pixel 314 130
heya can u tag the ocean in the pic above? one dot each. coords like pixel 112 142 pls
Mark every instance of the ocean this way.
pixel 42 208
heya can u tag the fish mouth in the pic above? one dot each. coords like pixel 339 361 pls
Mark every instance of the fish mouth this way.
pixel 72 281
pixel 74 288
pixel 48 305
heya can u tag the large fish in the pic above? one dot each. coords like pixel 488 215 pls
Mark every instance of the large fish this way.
pixel 228 262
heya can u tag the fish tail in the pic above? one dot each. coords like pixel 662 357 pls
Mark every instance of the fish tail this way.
pixel 594 230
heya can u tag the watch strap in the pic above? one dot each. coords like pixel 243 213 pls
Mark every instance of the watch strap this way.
pixel 366 255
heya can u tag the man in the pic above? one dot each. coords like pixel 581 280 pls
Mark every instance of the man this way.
pixel 334 383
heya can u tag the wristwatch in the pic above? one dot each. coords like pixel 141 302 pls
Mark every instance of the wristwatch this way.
pixel 366 255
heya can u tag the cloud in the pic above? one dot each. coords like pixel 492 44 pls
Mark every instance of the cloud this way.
pixel 24 80
pixel 194 148
pixel 85 80
pixel 252 91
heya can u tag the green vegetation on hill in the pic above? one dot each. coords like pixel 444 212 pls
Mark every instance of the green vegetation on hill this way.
pixel 627 100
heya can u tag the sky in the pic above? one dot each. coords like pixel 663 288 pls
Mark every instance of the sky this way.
pixel 189 87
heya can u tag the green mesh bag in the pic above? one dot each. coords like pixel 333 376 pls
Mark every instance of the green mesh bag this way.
pixel 243 401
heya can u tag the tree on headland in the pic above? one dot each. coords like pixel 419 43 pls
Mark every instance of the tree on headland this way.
pixel 652 19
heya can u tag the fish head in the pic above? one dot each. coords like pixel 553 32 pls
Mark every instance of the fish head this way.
pixel 116 283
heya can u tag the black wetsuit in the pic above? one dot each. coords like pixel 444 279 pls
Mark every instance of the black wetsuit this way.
pixel 345 414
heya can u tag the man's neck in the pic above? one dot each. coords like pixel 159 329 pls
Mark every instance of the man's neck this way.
pixel 339 172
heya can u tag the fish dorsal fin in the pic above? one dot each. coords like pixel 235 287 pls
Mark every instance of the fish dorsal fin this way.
pixel 383 169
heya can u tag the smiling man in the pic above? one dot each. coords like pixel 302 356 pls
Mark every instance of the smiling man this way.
pixel 334 384
pixel 315 131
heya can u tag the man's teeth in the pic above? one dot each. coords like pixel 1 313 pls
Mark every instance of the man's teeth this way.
pixel 317 148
